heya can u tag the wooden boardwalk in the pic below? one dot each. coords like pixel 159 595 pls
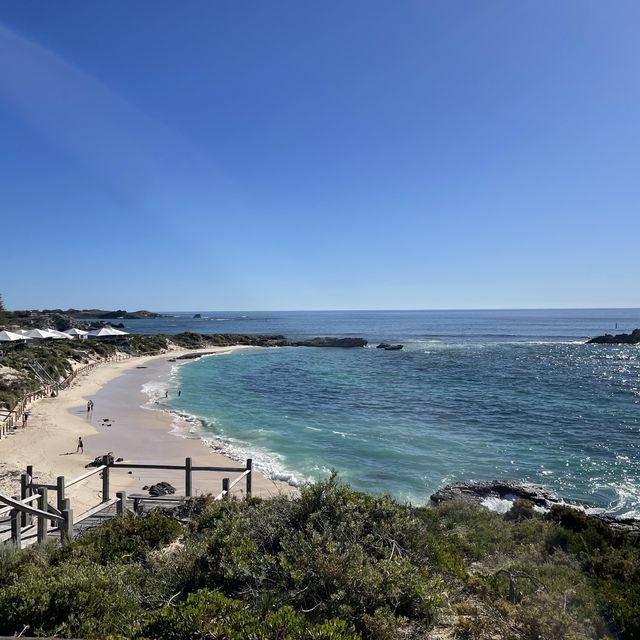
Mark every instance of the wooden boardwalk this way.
pixel 23 524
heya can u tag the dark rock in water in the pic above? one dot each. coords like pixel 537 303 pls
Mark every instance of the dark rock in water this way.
pixel 119 459
pixel 328 342
pixel 161 489
pixel 621 338
pixel 477 492
pixel 389 347
pixel 198 315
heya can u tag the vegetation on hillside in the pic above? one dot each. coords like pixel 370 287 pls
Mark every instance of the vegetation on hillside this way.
pixel 332 564
pixel 58 357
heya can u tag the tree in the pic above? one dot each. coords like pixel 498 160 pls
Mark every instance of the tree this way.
pixel 3 315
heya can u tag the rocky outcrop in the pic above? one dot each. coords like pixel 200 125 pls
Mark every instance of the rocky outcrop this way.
pixel 161 489
pixel 345 343
pixel 120 314
pixel 389 347
pixel 621 338
pixel 478 492
pixel 98 462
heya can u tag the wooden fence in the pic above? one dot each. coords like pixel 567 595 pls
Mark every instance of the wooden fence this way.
pixel 11 420
pixel 59 519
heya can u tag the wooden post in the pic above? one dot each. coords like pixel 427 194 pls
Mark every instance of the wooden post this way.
pixel 225 487
pixel 42 520
pixel 105 479
pixel 29 491
pixel 60 493
pixel 122 502
pixel 187 477
pixel 16 530
pixel 25 518
pixel 249 468
pixel 66 526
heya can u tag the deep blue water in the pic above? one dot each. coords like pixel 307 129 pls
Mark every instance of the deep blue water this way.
pixel 474 395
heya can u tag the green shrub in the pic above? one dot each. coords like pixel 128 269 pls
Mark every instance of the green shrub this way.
pixel 79 599
pixel 212 616
pixel 129 538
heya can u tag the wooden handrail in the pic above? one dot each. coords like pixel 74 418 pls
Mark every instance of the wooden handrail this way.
pixel 240 477
pixel 84 476
pixel 179 467
pixel 16 504
pixel 28 500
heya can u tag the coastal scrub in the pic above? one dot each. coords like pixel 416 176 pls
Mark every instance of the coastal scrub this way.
pixel 330 564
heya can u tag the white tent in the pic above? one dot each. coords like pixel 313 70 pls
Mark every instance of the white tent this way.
pixel 104 332
pixel 59 335
pixel 9 336
pixel 75 332
pixel 42 334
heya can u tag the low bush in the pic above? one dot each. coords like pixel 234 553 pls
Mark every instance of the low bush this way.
pixel 128 538
pixel 211 615
pixel 78 599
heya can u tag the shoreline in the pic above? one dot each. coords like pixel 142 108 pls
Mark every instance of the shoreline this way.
pixel 137 434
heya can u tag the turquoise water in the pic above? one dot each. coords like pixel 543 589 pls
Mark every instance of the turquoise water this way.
pixel 474 395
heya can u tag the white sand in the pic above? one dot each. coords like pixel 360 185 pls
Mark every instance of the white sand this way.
pixel 48 442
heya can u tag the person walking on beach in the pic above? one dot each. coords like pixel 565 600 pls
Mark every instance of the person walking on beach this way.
pixel 25 417
pixel 88 406
pixel 91 403
pixel 80 447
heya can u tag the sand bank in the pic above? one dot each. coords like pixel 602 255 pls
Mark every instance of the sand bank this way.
pixel 137 434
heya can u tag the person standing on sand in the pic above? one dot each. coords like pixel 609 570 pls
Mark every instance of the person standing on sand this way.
pixel 25 417
pixel 88 406
pixel 80 447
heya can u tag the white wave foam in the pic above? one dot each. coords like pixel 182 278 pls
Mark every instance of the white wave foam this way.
pixel 499 505
pixel 267 463
pixel 154 390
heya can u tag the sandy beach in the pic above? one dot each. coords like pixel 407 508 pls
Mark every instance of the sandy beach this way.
pixel 134 433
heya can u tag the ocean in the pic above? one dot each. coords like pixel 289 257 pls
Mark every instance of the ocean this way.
pixel 473 395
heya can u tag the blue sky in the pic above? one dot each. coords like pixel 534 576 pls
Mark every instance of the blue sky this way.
pixel 334 155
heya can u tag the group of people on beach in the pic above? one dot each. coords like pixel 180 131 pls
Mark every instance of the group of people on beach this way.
pixel 89 406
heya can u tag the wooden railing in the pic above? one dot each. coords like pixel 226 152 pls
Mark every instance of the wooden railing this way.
pixel 61 516
pixel 10 421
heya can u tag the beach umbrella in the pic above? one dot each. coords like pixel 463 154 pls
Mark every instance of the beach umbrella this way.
pixel 9 336
pixel 75 332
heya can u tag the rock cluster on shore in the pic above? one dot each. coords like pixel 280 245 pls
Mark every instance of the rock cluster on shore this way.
pixel 620 338
pixel 480 493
